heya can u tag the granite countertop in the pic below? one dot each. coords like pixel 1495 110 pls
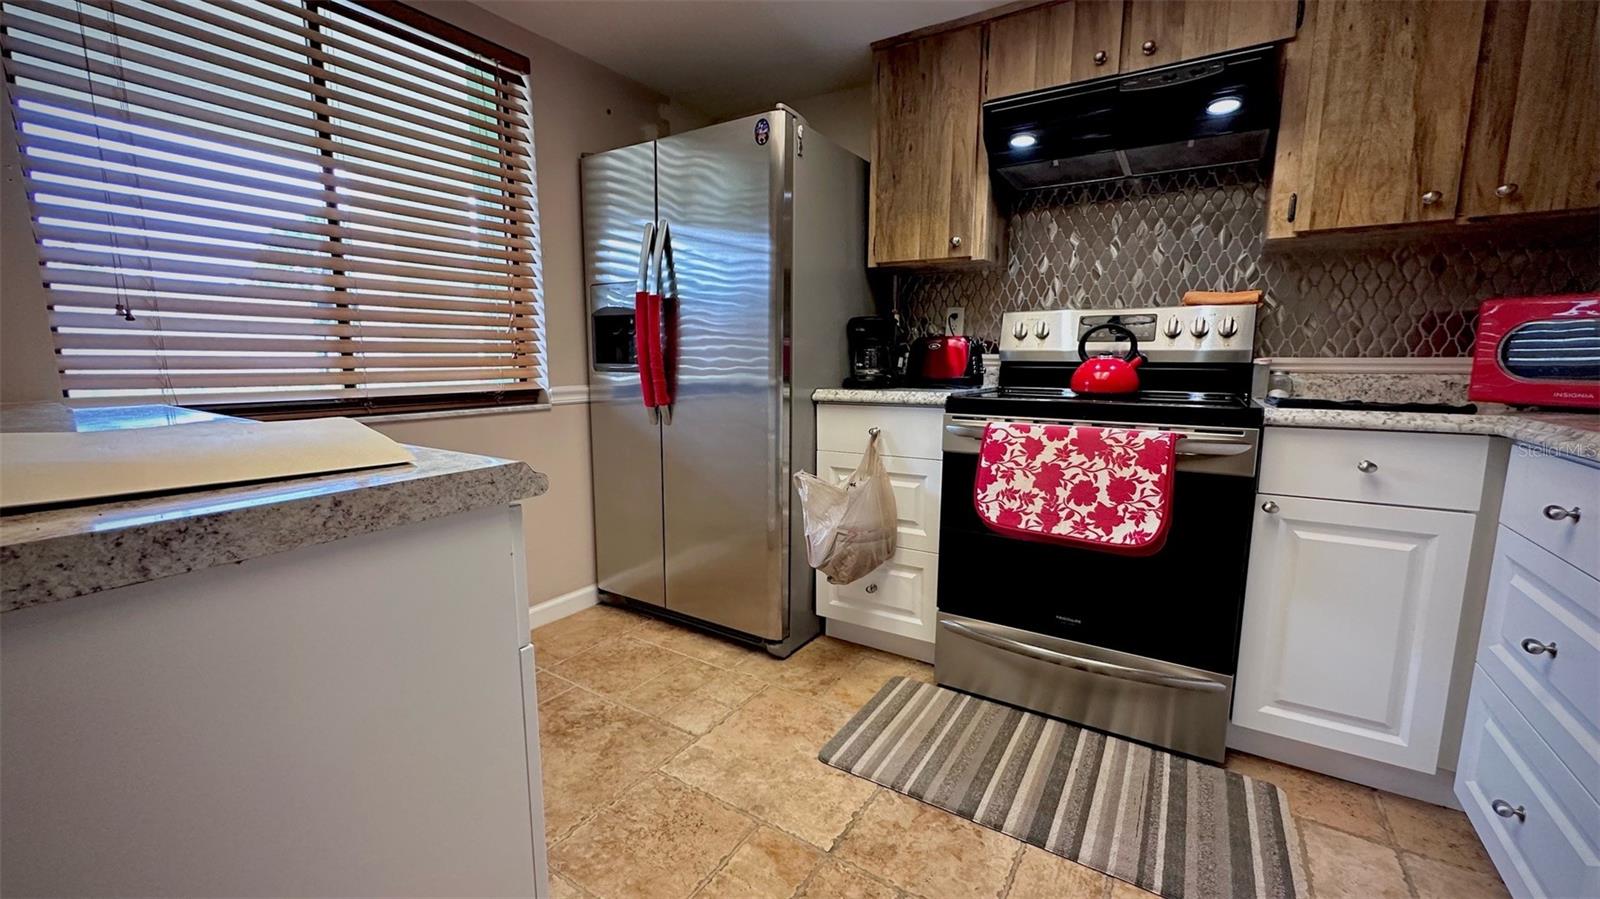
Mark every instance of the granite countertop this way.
pixel 56 554
pixel 1569 433
pixel 889 396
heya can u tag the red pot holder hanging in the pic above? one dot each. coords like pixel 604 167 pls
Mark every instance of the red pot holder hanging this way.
pixel 1107 489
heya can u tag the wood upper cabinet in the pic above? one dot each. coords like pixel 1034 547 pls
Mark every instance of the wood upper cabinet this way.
pixel 1534 144
pixel 1386 112
pixel 931 200
pixel 1052 45
pixel 1156 32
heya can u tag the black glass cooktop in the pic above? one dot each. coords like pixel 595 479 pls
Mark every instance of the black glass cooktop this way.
pixel 1174 407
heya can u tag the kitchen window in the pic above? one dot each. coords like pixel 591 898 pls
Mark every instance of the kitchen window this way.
pixel 284 206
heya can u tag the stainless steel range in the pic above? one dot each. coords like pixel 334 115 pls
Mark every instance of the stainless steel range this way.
pixel 1143 647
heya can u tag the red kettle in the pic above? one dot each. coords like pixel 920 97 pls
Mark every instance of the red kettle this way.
pixel 1107 374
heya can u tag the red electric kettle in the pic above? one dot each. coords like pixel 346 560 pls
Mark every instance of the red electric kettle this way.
pixel 1107 374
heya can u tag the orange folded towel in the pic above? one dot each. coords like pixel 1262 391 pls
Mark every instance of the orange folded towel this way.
pixel 1221 298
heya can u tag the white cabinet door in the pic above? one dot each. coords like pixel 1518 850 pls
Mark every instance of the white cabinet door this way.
pixel 916 494
pixel 1350 625
pixel 898 597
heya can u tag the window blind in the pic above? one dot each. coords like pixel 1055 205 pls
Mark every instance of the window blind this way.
pixel 276 201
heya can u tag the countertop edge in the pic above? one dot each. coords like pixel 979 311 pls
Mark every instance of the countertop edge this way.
pixel 890 396
pixel 65 566
pixel 1567 438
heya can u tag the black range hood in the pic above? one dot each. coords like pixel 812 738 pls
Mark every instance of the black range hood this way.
pixel 1219 110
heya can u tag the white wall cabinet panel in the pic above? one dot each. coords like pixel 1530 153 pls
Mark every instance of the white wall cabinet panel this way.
pixel 1540 827
pixel 916 494
pixel 1350 626
pixel 898 597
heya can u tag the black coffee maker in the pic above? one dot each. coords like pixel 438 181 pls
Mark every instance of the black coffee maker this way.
pixel 873 352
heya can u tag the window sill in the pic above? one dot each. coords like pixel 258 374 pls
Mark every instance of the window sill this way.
pixel 390 417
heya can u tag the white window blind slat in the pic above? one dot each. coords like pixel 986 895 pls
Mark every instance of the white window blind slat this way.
pixel 277 201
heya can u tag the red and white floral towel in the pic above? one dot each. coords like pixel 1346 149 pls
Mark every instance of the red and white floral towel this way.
pixel 1098 488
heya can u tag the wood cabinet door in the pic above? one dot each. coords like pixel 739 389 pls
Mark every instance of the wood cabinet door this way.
pixel 1156 32
pixel 1535 139
pixel 1052 45
pixel 1350 619
pixel 930 180
pixel 1386 117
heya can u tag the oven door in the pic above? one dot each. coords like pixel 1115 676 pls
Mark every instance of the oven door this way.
pixel 1181 605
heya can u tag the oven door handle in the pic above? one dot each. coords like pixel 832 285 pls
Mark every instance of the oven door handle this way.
pixel 1092 666
pixel 1187 446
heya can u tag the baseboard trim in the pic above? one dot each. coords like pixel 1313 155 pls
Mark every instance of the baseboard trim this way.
pixel 866 636
pixel 1437 788
pixel 559 607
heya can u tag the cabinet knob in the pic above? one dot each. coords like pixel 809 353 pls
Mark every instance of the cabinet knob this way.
pixel 1366 466
pixel 872 588
pixel 1505 810
pixel 1100 57
pixel 1269 507
pixel 1148 48
pixel 1505 191
pixel 1557 513
pixel 1431 197
pixel 1535 648
pixel 955 241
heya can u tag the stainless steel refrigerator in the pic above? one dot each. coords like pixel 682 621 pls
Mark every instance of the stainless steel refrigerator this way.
pixel 757 228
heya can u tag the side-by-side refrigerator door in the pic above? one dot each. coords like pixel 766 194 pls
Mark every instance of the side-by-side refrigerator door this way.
pixel 619 213
pixel 724 476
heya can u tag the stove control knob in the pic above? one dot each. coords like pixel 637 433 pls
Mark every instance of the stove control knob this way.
pixel 1173 328
pixel 1041 330
pixel 1227 327
pixel 1199 327
pixel 1020 331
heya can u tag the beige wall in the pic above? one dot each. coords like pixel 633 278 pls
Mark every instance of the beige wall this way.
pixel 844 116
pixel 578 107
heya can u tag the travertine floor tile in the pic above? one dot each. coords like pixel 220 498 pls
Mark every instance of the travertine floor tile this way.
pixel 671 687
pixel 1441 833
pixel 591 751
pixel 1121 889
pixel 762 759
pixel 562 888
pixel 697 714
pixel 836 881
pixel 573 634
pixel 1317 797
pixel 810 669
pixel 1348 867
pixel 1437 880
pixel 769 865
pixel 862 680
pixel 617 666
pixel 718 651
pixel 1044 875
pixel 549 685
pixel 658 841
pixel 927 850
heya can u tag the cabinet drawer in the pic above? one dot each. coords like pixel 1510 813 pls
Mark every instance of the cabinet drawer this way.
pixel 896 598
pixel 1535 596
pixel 908 431
pixel 1398 468
pixel 1537 481
pixel 916 494
pixel 1551 851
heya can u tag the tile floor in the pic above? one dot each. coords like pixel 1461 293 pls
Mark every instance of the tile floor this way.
pixel 677 764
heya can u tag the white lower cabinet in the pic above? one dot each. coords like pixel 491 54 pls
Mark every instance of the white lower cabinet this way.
pixel 896 598
pixel 1350 624
pixel 916 494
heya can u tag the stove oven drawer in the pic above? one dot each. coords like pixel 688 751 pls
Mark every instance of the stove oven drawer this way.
pixel 1397 468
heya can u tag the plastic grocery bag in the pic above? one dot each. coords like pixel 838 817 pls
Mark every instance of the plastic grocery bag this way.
pixel 850 527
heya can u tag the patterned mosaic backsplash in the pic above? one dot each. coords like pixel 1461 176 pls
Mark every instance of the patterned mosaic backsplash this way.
pixel 1144 242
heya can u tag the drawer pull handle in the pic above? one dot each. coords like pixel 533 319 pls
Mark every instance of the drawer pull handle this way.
pixel 1505 810
pixel 1534 648
pixel 1366 466
pixel 1556 513
pixel 872 588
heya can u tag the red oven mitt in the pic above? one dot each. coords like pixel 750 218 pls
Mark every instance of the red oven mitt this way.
pixel 1108 489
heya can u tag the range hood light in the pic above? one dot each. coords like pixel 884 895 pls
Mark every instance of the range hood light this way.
pixel 1224 106
pixel 1023 140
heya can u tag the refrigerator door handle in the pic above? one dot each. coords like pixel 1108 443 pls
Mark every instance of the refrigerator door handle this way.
pixel 658 362
pixel 641 317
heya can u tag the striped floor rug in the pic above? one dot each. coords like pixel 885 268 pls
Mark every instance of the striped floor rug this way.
pixel 1180 828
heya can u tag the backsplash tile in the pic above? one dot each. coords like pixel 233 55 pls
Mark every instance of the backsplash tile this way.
pixel 1144 242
